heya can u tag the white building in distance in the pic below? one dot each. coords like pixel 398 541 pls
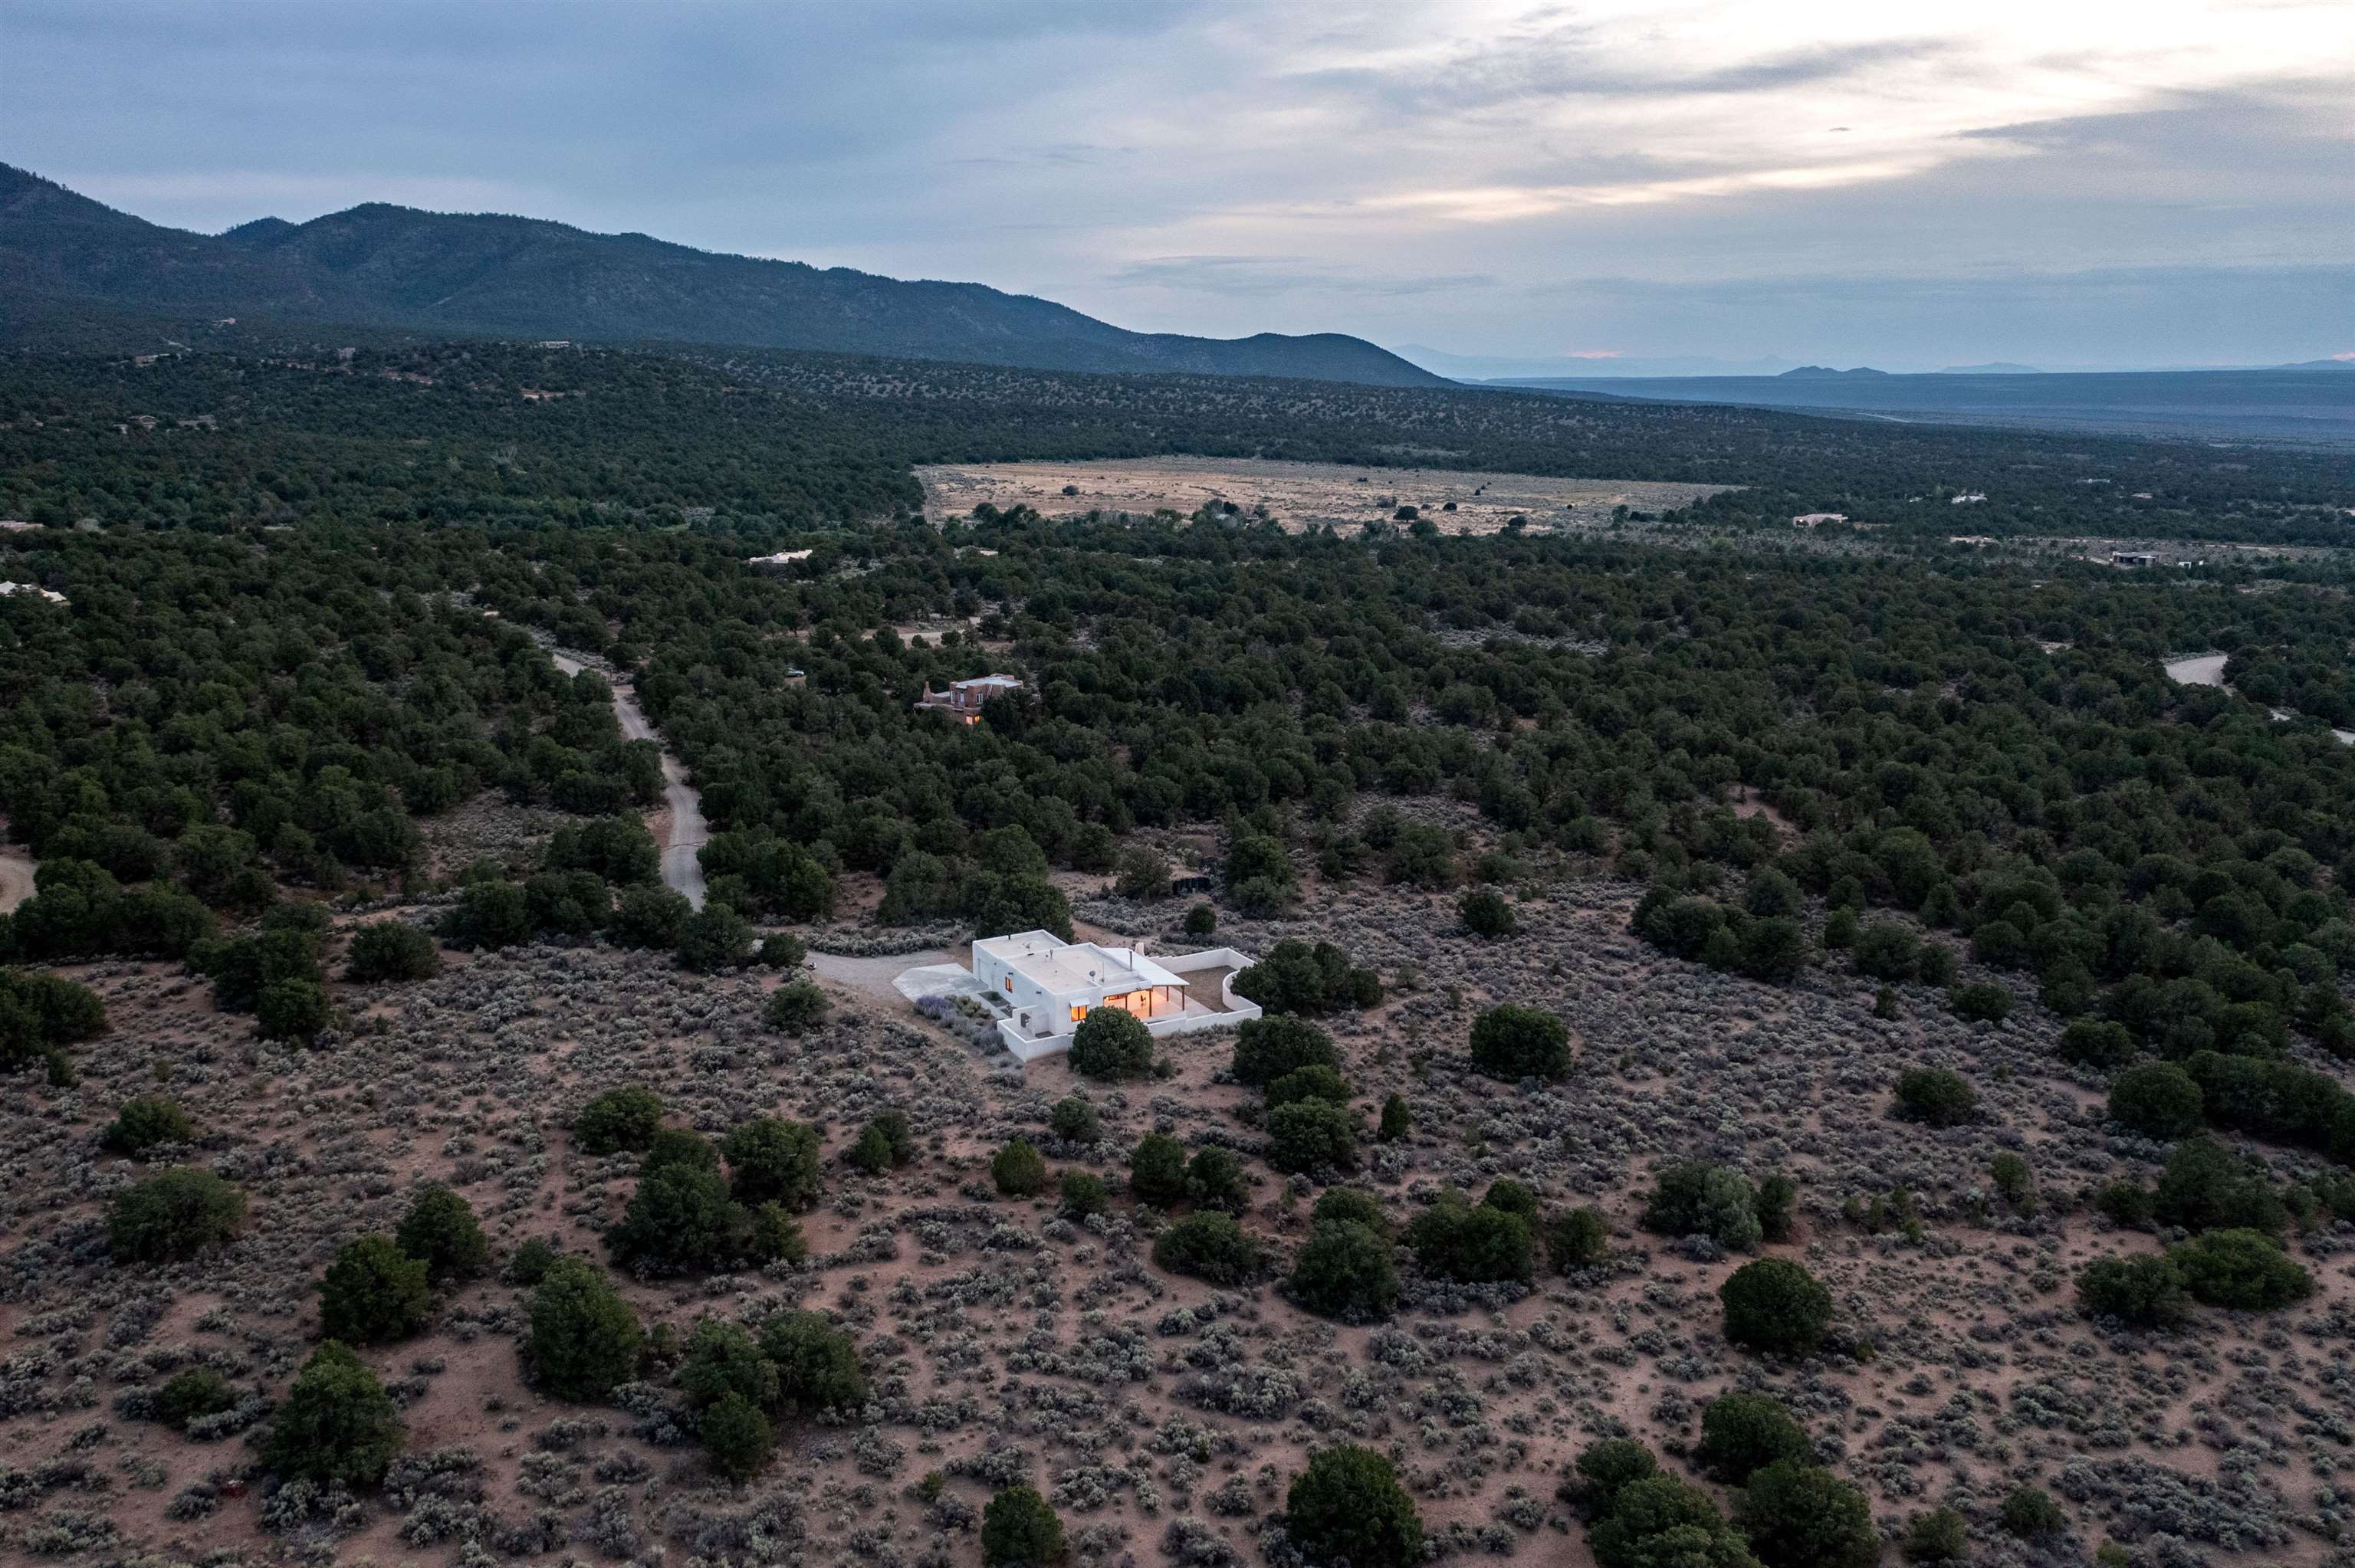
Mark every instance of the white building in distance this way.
pixel 963 699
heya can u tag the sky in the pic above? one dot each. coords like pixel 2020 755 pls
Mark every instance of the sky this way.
pixel 1612 184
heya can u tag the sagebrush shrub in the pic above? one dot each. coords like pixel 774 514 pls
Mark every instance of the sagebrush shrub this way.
pixel 198 1390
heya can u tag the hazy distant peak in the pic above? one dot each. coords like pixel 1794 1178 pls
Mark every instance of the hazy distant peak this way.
pixel 259 231
pixel 494 274
pixel 1826 373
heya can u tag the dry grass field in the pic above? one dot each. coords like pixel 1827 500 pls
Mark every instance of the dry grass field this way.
pixel 1298 495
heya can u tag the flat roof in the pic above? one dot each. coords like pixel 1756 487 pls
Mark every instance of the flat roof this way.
pixel 1060 967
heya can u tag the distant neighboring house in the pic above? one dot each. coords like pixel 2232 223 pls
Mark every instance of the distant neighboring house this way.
pixel 963 699
pixel 1188 882
pixel 2133 558
pixel 1810 519
pixel 9 589
pixel 1040 987
pixel 779 561
pixel 1967 499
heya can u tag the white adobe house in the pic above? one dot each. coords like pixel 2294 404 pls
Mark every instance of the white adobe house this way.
pixel 963 699
pixel 1040 987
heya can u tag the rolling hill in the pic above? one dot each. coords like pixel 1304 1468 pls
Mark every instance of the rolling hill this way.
pixel 63 255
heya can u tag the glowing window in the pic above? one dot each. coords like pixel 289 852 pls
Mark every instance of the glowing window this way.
pixel 1009 985
pixel 1078 1013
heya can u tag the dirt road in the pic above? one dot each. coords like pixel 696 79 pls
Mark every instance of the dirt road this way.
pixel 681 868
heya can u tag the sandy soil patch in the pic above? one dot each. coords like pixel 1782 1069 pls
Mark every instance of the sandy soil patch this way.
pixel 1298 495
pixel 16 877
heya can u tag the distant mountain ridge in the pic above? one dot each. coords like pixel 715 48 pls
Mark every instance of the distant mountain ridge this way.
pixel 483 274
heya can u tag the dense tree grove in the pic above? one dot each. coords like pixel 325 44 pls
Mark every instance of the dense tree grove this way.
pixel 310 610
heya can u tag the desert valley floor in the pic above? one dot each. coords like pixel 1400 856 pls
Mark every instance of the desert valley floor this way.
pixel 1161 1416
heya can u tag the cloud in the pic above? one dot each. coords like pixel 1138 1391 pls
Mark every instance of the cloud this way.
pixel 1258 276
pixel 1475 172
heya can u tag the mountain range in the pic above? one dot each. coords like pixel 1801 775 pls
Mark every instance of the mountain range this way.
pixel 63 256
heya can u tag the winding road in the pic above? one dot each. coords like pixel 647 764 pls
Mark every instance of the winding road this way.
pixel 681 869
pixel 2208 670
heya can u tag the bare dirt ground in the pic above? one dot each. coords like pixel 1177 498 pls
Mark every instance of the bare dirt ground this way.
pixel 1163 1417
pixel 1298 495
pixel 17 870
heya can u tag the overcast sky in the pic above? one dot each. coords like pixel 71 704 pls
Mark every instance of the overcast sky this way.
pixel 1919 184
